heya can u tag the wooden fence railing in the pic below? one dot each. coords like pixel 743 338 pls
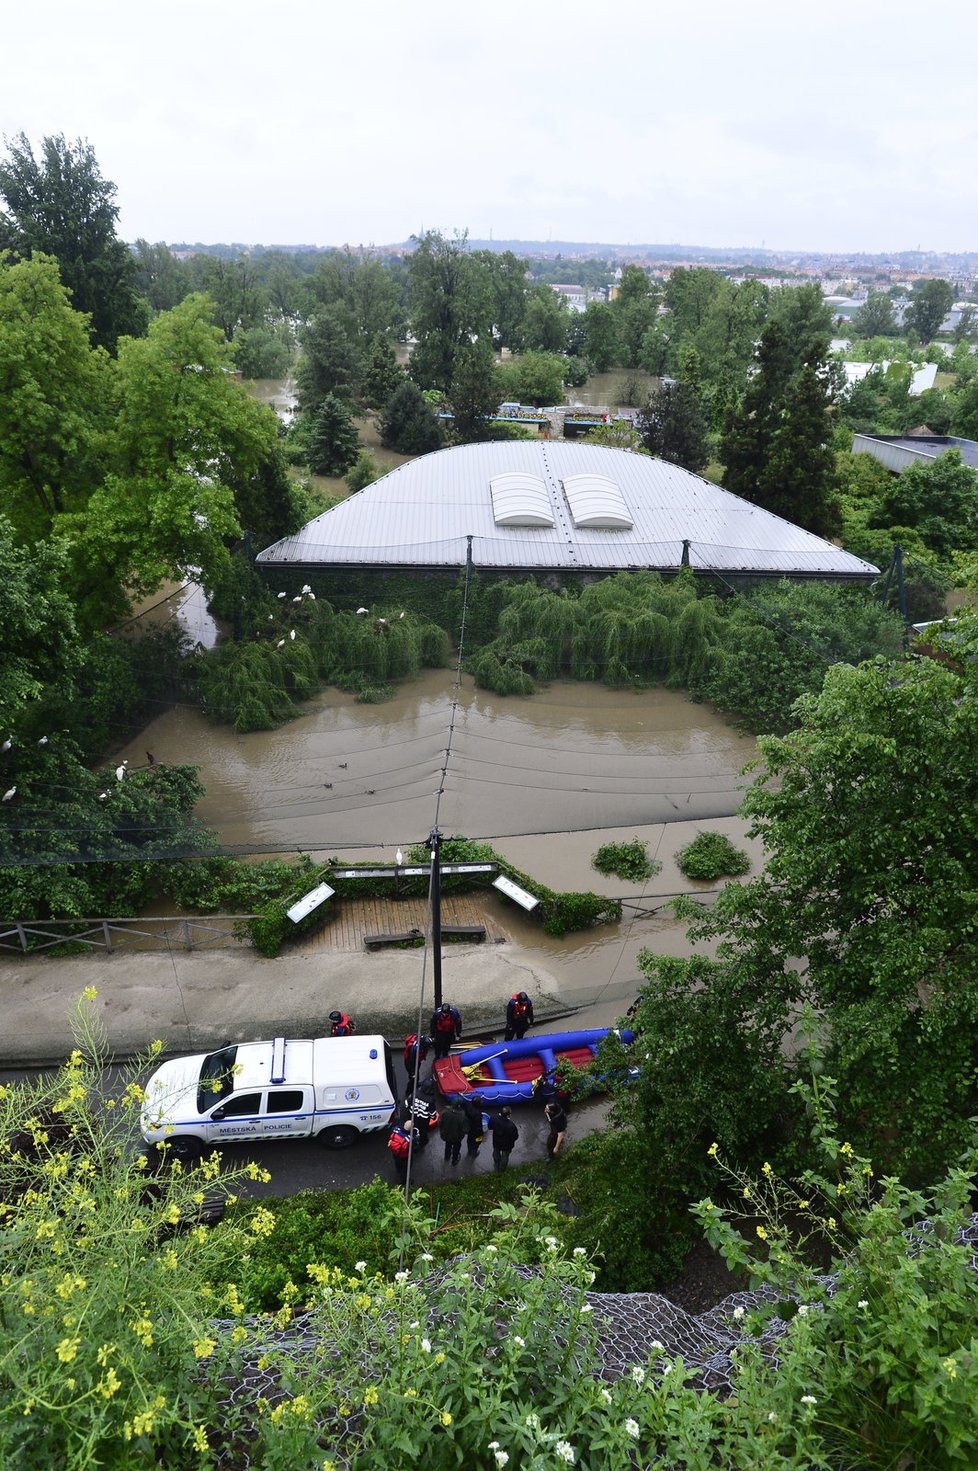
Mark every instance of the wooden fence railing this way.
pixel 166 932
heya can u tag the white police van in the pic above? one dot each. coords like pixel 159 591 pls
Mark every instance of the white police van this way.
pixel 330 1088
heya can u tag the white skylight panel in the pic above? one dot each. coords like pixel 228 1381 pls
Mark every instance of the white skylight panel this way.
pixel 519 499
pixel 597 503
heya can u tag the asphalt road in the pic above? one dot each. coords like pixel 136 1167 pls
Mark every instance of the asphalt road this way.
pixel 302 1164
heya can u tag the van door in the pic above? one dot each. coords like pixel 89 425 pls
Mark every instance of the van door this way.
pixel 238 1117
pixel 288 1113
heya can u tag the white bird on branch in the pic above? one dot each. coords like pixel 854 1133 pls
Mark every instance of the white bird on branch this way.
pixel 306 588
pixel 7 744
pixel 363 610
pixel 9 795
pixel 120 771
pixel 292 634
pixel 43 741
pixel 398 857
pixel 280 644
pixel 281 595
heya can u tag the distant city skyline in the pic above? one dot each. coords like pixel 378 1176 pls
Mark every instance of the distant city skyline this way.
pixel 727 127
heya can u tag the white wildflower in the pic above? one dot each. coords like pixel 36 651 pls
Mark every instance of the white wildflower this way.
pixel 520 1342
pixel 606 1396
pixel 502 1458
pixel 585 1307
pixel 401 1276
pixel 631 1428
pixel 809 1399
pixel 802 1311
pixel 738 1313
pixel 533 1420
pixel 426 1256
pixel 579 1251
pixel 426 1345
pixel 638 1373
pixel 862 1303
pixel 359 1266
pixel 565 1451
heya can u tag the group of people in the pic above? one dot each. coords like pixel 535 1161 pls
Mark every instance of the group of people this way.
pixel 461 1120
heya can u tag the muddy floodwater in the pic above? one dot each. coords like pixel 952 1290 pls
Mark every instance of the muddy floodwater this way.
pixel 572 757
pixel 548 779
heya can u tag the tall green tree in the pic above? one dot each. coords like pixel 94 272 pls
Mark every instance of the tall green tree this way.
pixel 452 301
pixel 876 317
pixel 407 424
pixel 53 410
pixel 382 373
pixel 160 277
pixel 636 307
pixel 239 301
pixel 777 445
pixel 546 321
pixel 334 444
pixel 869 818
pixel 329 364
pixel 59 204
pixel 673 426
pixel 182 430
pixel 475 392
pixel 937 500
pixel 929 305
pixel 594 334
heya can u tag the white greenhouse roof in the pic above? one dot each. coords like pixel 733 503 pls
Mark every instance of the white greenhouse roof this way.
pixel 555 506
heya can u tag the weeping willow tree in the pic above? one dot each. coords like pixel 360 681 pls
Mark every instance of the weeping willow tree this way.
pixel 256 685
pixel 635 627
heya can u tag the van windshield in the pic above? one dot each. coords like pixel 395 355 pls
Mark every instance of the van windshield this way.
pixel 216 1077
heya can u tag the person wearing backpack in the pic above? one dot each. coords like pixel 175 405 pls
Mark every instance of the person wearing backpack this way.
pixel 519 1015
pixel 446 1028
pixel 415 1052
pixel 453 1127
pixel 399 1144
pixel 340 1024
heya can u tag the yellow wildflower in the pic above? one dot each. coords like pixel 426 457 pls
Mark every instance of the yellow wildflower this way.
pixel 200 1438
pixel 89 993
pixel 371 1396
pixel 762 1234
pixel 446 1418
pixel 204 1347
pixel 67 1349
pixel 143 1329
pixel 109 1384
pixel 713 1150
pixel 767 1168
pixel 262 1222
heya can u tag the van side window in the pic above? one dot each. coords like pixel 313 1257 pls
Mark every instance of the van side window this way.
pixel 284 1100
pixel 238 1107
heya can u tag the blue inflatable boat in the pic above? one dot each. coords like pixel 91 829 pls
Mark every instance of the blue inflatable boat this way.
pixel 518 1071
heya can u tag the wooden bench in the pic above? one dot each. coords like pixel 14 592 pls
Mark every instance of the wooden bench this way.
pixel 394 937
pixel 464 931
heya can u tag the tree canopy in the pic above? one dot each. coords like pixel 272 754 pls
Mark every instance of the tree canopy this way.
pixel 58 204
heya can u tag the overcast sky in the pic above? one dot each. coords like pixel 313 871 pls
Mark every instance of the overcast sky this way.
pixel 838 126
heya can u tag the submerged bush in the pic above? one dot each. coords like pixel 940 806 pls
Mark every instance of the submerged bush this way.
pixel 711 856
pixel 626 861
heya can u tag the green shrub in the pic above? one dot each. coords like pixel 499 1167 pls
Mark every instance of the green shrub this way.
pixel 626 861
pixel 711 856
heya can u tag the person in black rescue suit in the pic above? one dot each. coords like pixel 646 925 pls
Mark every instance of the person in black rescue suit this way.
pixel 519 1015
pixel 446 1028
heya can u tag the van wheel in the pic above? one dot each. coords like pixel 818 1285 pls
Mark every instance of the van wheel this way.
pixel 183 1147
pixel 341 1136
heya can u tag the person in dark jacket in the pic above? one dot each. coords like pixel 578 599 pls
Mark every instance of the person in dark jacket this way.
pixel 446 1028
pixel 472 1107
pixel 519 1015
pixel 340 1024
pixel 422 1110
pixel 415 1052
pixel 453 1126
pixel 504 1136
pixel 557 1119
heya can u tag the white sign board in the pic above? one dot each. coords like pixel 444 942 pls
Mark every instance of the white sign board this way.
pixel 309 902
pixel 514 892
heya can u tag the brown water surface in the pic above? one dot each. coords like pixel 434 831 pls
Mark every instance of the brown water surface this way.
pixel 573 757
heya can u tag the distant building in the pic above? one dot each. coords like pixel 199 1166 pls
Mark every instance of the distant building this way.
pixel 897 451
pixel 564 509
pixel 575 296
